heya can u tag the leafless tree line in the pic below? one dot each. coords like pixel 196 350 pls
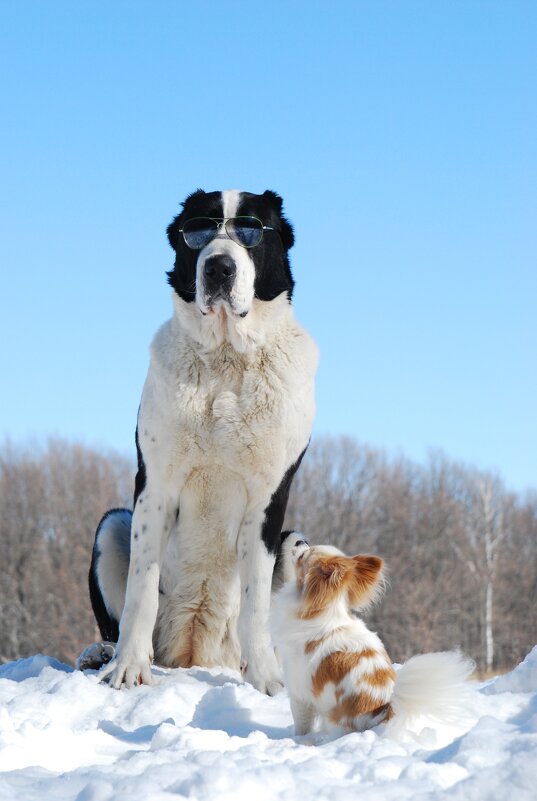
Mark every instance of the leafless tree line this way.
pixel 50 502
pixel 461 550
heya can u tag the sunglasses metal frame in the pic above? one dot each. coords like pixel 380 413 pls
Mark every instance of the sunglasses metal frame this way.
pixel 221 225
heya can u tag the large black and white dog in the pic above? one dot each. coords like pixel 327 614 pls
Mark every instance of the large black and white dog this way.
pixel 224 420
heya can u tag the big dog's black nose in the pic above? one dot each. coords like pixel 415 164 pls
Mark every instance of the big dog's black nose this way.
pixel 219 271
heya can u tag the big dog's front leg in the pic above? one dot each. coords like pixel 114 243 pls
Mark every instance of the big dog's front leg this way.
pixel 134 654
pixel 256 564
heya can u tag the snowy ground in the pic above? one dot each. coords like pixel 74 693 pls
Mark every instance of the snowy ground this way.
pixel 204 734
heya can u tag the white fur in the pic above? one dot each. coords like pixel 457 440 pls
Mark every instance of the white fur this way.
pixel 242 292
pixel 113 566
pixel 433 685
pixel 226 409
pixel 339 631
pixel 292 547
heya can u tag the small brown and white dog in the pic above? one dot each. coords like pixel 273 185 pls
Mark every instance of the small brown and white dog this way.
pixel 335 668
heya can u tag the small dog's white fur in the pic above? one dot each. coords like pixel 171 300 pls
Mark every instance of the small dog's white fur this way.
pixel 337 671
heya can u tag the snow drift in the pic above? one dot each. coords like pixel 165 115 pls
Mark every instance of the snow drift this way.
pixel 204 734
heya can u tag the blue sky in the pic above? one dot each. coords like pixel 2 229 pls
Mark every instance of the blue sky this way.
pixel 402 136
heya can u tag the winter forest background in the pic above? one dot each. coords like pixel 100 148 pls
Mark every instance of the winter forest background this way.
pixel 461 550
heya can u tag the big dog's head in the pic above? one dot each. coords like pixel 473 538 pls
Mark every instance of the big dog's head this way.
pixel 230 247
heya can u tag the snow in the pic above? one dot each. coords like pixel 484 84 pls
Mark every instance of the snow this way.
pixel 205 734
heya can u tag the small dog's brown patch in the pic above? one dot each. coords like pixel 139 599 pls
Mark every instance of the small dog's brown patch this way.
pixel 334 667
pixel 352 706
pixel 326 577
pixel 380 676
pixel 312 645
pixel 323 579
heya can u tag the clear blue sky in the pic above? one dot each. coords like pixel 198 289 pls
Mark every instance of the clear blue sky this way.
pixel 403 137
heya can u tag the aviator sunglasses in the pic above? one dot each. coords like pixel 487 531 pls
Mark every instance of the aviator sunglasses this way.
pixel 245 231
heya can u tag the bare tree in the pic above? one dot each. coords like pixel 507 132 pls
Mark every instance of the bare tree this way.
pixel 332 495
pixel 460 550
pixel 515 592
pixel 448 534
pixel 484 520
pixel 50 502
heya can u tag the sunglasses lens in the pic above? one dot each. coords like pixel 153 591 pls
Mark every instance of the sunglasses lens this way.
pixel 245 231
pixel 199 231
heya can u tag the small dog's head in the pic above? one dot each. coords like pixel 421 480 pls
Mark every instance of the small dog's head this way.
pixel 230 247
pixel 292 544
pixel 326 576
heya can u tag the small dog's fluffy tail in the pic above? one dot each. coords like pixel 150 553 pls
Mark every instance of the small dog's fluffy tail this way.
pixel 432 685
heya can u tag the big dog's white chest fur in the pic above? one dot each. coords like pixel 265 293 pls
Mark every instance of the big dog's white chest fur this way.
pixel 249 412
pixel 220 423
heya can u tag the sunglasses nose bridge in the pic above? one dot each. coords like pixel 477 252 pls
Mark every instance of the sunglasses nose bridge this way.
pixel 221 230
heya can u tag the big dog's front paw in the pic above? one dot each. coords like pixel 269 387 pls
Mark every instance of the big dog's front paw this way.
pixel 129 668
pixel 263 672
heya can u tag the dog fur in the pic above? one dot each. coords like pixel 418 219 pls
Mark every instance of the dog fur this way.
pixel 336 670
pixel 224 420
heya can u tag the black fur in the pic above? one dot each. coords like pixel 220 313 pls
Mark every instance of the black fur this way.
pixel 275 511
pixel 141 478
pixel 272 277
pixel 272 269
pixel 108 626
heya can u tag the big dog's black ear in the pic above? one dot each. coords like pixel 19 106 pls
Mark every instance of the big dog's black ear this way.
pixel 183 276
pixel 174 228
pixel 275 199
pixel 285 228
pixel 173 231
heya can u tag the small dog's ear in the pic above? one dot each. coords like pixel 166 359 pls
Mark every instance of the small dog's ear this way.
pixel 324 583
pixel 367 565
pixel 332 568
pixel 366 581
